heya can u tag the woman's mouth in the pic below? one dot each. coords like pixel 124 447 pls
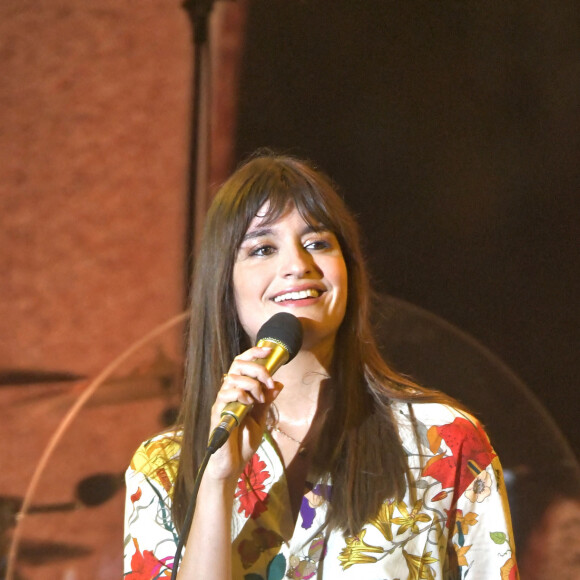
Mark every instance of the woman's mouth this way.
pixel 298 295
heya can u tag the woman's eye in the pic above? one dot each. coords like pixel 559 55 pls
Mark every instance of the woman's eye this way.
pixel 264 250
pixel 317 245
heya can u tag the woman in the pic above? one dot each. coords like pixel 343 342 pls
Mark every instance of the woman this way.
pixel 343 468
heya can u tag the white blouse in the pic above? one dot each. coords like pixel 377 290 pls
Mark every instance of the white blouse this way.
pixel 458 525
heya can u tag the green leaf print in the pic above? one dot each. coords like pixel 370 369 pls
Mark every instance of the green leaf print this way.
pixel 498 537
pixel 277 568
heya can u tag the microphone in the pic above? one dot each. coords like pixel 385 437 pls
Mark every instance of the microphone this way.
pixel 283 334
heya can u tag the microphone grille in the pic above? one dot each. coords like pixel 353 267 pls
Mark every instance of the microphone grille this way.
pixel 283 328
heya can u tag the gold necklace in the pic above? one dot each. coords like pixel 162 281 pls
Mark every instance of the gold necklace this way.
pixel 302 449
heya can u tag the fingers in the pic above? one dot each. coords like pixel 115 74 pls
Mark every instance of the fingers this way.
pixel 271 394
pixel 240 388
pixel 247 381
pixel 245 364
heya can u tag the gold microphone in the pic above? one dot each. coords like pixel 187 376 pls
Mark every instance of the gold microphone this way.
pixel 283 334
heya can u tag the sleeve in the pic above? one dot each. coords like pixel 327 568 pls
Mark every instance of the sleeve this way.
pixel 150 536
pixel 482 541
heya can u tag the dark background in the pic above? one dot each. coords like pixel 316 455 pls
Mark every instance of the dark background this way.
pixel 453 130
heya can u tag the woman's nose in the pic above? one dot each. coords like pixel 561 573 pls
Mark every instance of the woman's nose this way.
pixel 297 262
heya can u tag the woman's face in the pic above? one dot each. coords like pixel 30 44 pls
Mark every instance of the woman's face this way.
pixel 289 266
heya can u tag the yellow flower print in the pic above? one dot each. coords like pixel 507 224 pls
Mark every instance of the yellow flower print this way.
pixel 419 566
pixel 463 522
pixel 509 571
pixel 383 521
pixel 409 520
pixel 480 488
pixel 469 519
pixel 461 551
pixel 157 459
pixel 352 553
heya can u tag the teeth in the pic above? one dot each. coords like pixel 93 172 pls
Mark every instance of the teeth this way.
pixel 310 293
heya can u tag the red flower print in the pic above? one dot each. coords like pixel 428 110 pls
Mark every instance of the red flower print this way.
pixel 136 496
pixel 441 495
pixel 471 451
pixel 144 566
pixel 164 479
pixel 251 487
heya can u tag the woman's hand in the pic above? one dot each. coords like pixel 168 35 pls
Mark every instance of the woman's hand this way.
pixel 247 382
pixel 208 552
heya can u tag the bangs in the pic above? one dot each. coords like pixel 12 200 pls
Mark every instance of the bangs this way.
pixel 281 187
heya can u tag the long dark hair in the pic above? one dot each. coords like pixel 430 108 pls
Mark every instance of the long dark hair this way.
pixel 359 450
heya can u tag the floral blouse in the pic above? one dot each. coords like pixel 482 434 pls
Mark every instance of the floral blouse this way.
pixel 456 527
